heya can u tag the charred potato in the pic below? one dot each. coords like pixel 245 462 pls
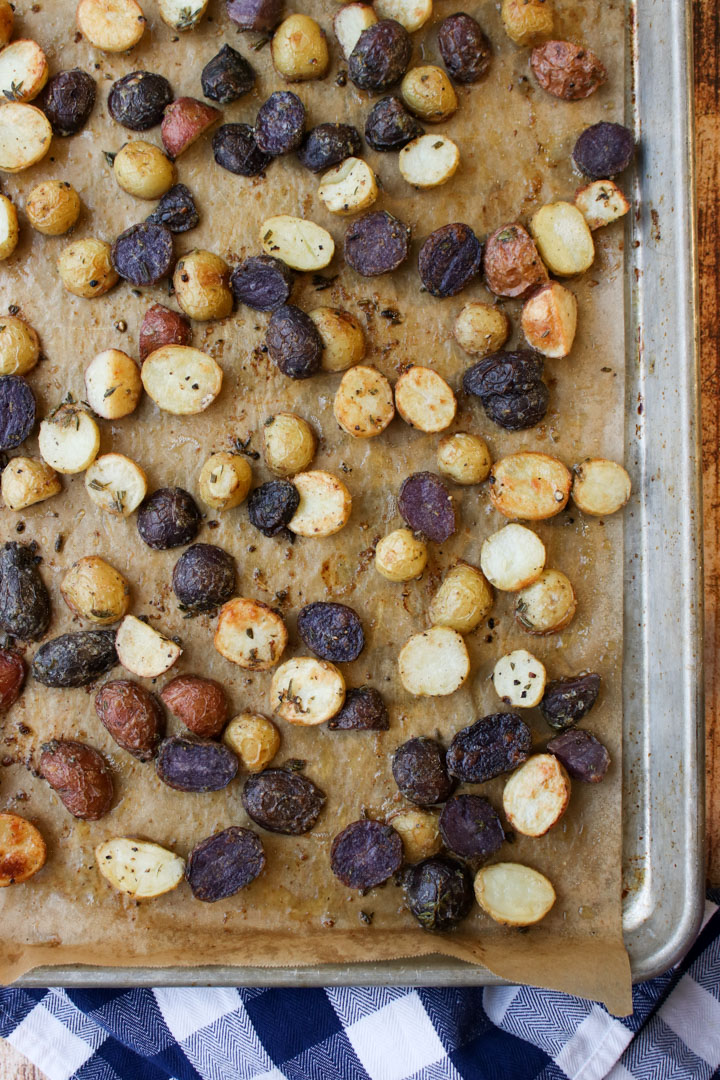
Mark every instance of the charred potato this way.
pixel 67 100
pixel 95 590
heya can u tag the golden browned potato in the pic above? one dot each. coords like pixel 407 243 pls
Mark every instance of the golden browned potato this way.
pixel 428 93
pixel 53 207
pixel 86 268
pixel 112 384
pixel 400 556
pixel 527 21
pixel 537 795
pixel 529 486
pixel 299 49
pixel 9 229
pixel 342 337
pixel 250 634
pixel 6 21
pixel 424 399
pixel 363 403
pixel 25 136
pixel 547 605
pixel 563 238
pixel 224 480
pixel 600 486
pixel 481 329
pixel 19 346
pixel 111 25
pixel 26 481
pixel 463 600
pixel 202 285
pixel 567 70
pixel 325 504
pixel 549 320
pixel 23 70
pixel 307 691
pixel 464 458
pixel 142 169
pixel 95 590
pixel 254 739
pixel 601 203
pixel 22 850
pixel 419 833
pixel 289 443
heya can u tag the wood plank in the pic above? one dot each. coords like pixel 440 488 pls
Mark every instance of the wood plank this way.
pixel 13 1066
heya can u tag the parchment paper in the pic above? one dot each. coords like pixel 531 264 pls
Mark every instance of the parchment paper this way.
pixel 515 143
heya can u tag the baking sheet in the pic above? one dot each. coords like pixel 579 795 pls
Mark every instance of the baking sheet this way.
pixel 296 909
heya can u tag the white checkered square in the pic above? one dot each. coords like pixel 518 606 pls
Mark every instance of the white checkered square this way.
pixel 397 1041
pixel 50 1045
pixel 694 1015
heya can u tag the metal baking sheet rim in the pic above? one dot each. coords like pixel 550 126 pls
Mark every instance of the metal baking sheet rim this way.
pixel 663 766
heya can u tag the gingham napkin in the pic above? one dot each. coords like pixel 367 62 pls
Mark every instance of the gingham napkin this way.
pixel 507 1033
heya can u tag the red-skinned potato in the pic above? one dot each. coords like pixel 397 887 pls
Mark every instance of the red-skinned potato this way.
pixel 12 677
pixel 200 703
pixel 79 775
pixel 185 120
pixel 132 716
pixel 162 326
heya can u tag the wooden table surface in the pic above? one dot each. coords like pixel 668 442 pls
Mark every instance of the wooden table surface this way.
pixel 707 106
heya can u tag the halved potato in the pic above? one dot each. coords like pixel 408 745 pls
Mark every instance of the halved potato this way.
pixel 349 187
pixel 143 650
pixel 563 239
pixel 112 384
pixel 349 23
pixel 111 25
pixel 537 795
pixel 26 481
pixel 307 691
pixel 138 867
pixel 519 679
pixel 429 161
pixel 419 833
pixel 434 663
pixel 25 136
pixel 7 20
pixel 116 484
pixel 424 399
pixel 512 558
pixel 547 605
pixel 9 229
pixel 250 634
pixel 513 894
pixel 181 380
pixel 22 850
pixel 601 203
pixel 412 14
pixel 549 320
pixel 181 14
pixel 529 486
pixel 600 486
pixel 95 590
pixel 401 555
pixel 363 403
pixel 325 504
pixel 464 458
pixel 69 439
pixel 300 244
pixel 342 337
pixel 463 600
pixel 23 70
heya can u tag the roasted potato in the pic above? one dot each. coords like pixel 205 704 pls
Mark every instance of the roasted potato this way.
pixel 224 481
pixel 185 120
pixel 464 458
pixel 254 739
pixel 200 704
pixel 180 15
pixel 349 187
pixel 549 319
pixel 142 169
pixel 527 21
pixel 349 23
pixel 434 663
pixel 600 487
pixel 202 285
pixel 250 634
pixel 512 894
pixel 69 439
pixel 143 650
pixel 567 70
pixel 512 558
pixel 412 14
pixel 80 775
pixel 419 833
pixel 139 868
pixel 307 691
pixel 529 486
pixel 12 678
pixel 463 600
pixel 22 850
pixel 9 229
pixel 424 399
pixel 25 136
pixel 162 326
pixel 111 25
pixel 289 443
pixel 112 384
pixel 301 244
pixel 519 679
pixel 363 405
pixel 7 19
pixel 299 49
pixel 325 504
pixel 537 795
pixel 428 93
pixel 23 70
pixel 342 337
pixel 19 346
pixel 116 484
pixel 132 716
pixel 26 481
pixel 481 329
pixel 53 207
pixel 85 267
pixel 77 659
pixel 512 263
pixel 400 556
pixel 95 590
pixel 563 238
pixel 547 605
pixel 428 161
pixel 601 203
pixel 181 380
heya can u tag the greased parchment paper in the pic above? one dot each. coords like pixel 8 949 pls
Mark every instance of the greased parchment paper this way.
pixel 515 143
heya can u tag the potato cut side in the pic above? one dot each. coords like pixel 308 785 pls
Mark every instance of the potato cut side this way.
pixel 463 600
pixel 563 239
pixel 325 504
pixel 111 25
pixel 424 400
pixel 512 558
pixel 69 439
pixel 363 404
pixel 349 23
pixel 434 663
pixel 26 481
pixel 143 650
pixel 9 230
pixel 601 203
pixel 138 867
pixel 181 380
pixel 181 15
pixel 112 384
pixel 549 320
pixel 429 161
pixel 116 484
pixel 22 850
pixel 250 634
pixel 547 605
pixel 600 487
pixel 307 691
pixel 529 486
pixel 23 70
pixel 349 187
pixel 537 795
pixel 25 136
pixel 513 894
pixel 519 679
pixel 300 244
pixel 412 14
pixel 401 555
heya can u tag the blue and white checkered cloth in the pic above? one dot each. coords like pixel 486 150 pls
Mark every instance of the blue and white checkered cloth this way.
pixel 506 1033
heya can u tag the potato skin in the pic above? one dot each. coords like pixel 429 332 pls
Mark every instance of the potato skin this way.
pixel 95 590
pixel 162 326
pixel 289 443
pixel 202 285
pixel 53 207
pixel 24 599
pixel 185 120
pixel 22 847
pixel 75 659
pixel 80 776
pixel 299 49
pixel 200 703
pixel 567 70
pixel 512 263
pixel 19 346
pixel 86 268
pixel 12 678
pixel 132 716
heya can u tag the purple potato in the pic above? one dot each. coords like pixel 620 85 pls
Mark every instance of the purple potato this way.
pixel 439 892
pixel 272 505
pixel 223 864
pixel 143 254
pixel 17 411
pixel 67 99
pixel 227 77
pixel 566 701
pixel 504 373
pixel 491 746
pixel 280 124
pixel 176 210
pixel 191 764
pixel 419 770
pixel 517 412
pixel 293 342
pixel 582 754
pixel 604 150
pixel 332 631
pixel 260 15
pixel 204 577
pixel 168 518
pixel 139 99
pixel 377 244
pixel 235 149
pixel 262 283
pixel 365 854
pixel 449 259
pixel 24 599
pixel 471 828
pixel 464 48
pixel 327 145
pixel 381 56
pixel 427 506
pixel 282 801
pixel 363 710
pixel 390 126
pixel 75 659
